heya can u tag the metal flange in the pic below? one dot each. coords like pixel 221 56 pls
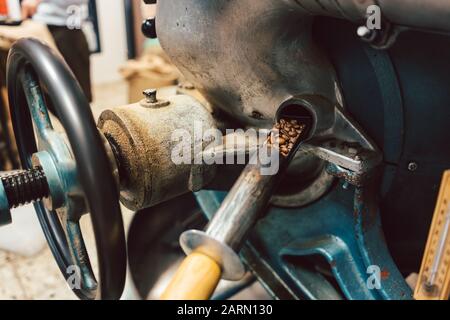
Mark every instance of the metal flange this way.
pixel 198 241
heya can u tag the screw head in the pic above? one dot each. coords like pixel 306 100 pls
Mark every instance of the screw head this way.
pixel 150 95
pixel 151 101
pixel 413 166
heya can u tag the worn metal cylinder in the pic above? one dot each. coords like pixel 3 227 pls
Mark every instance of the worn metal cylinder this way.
pixel 143 137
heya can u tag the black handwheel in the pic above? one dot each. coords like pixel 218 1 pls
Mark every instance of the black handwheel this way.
pixel 79 177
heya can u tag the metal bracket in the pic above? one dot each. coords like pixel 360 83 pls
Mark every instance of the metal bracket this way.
pixel 350 154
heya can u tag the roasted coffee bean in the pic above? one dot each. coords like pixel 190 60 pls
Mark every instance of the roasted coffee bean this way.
pixel 286 134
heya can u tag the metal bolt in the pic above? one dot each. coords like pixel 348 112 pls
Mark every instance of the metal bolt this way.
pixel 151 101
pixel 149 28
pixel 150 95
pixel 25 187
pixel 413 166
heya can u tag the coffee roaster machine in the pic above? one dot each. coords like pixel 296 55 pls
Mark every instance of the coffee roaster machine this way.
pixel 357 197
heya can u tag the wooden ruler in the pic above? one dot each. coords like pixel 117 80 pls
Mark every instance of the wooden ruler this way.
pixel 434 278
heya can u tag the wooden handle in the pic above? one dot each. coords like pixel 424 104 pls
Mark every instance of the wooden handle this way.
pixel 196 279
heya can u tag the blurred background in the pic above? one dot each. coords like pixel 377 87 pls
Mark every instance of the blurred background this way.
pixel 102 42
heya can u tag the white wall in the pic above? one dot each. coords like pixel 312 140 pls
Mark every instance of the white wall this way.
pixel 111 15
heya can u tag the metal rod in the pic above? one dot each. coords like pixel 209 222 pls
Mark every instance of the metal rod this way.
pixel 246 200
pixel 252 191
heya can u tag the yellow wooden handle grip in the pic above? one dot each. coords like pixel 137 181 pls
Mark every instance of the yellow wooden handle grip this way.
pixel 196 279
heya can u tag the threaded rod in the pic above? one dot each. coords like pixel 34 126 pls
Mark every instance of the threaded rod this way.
pixel 25 187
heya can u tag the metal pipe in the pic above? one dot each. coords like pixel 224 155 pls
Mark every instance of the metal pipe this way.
pixel 246 200
pixel 254 188
pixel 229 227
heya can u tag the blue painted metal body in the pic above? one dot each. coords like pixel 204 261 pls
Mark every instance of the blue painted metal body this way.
pixel 54 156
pixel 343 228
pixel 5 214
